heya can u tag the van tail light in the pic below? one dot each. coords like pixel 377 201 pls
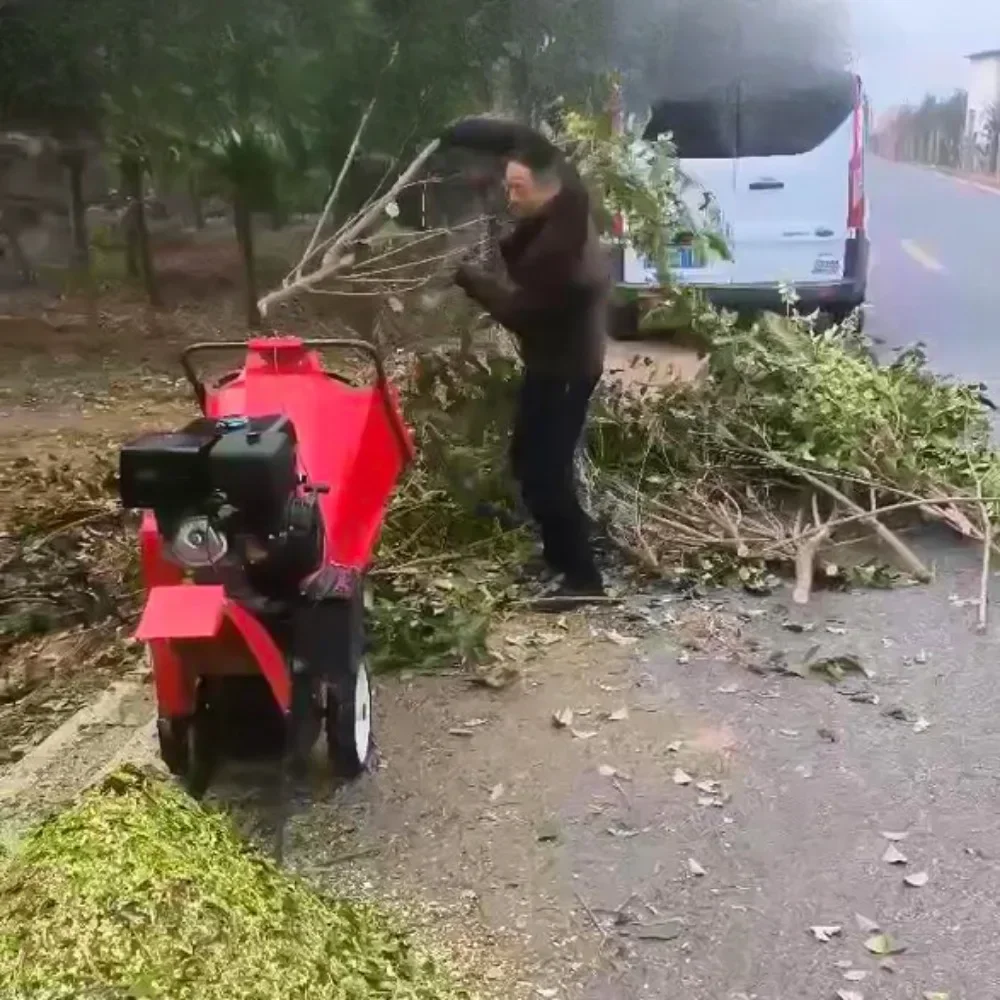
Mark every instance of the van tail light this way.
pixel 856 175
pixel 618 225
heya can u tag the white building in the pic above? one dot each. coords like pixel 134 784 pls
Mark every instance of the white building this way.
pixel 984 94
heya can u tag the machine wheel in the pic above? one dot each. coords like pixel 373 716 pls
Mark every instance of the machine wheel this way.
pixel 349 722
pixel 189 746
pixel 305 722
pixel 623 322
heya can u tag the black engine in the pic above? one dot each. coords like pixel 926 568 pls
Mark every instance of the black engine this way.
pixel 228 498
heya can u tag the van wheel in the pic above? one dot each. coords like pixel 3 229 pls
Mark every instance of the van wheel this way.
pixel 840 314
pixel 624 321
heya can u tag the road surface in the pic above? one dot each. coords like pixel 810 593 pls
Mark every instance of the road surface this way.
pixel 936 268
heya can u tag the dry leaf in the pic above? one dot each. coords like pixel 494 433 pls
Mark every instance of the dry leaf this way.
pixel 728 689
pixel 607 771
pixel 855 975
pixel 865 924
pixel 618 715
pixel 623 832
pixel 823 934
pixel 894 856
pixel 708 787
pixel 921 725
pixel 896 838
pixel 674 747
pixel 681 777
pixel 883 945
pixel 584 734
pixel 562 719
pixel 917 880
pixel 849 995
pixel 496 793
pixel 618 639
pixel 695 869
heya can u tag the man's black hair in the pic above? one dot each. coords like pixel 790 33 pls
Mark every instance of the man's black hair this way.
pixel 507 139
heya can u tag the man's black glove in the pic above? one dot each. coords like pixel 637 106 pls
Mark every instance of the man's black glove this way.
pixel 465 276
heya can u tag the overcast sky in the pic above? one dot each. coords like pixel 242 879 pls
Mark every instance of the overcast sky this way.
pixel 908 47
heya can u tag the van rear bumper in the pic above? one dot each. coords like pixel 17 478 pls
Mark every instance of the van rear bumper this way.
pixel 843 295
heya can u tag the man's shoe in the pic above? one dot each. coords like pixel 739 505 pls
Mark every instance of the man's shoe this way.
pixel 569 595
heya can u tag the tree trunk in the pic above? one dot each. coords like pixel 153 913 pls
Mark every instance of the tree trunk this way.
pixel 131 170
pixel 75 163
pixel 10 231
pixel 243 221
pixel 194 194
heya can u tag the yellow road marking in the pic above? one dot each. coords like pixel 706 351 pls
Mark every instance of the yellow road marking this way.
pixel 921 256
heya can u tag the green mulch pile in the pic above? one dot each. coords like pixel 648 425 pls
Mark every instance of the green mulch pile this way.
pixel 138 893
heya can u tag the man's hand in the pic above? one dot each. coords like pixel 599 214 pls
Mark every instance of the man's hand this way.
pixel 466 277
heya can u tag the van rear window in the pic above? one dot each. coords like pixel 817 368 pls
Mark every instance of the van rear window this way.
pixel 792 123
pixel 701 129
pixel 753 123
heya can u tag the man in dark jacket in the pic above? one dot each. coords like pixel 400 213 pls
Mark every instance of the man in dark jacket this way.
pixel 554 299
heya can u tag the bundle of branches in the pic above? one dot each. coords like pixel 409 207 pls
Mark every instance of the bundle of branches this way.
pixel 137 891
pixel 794 441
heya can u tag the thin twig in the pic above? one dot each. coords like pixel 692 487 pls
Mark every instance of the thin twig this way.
pixel 593 917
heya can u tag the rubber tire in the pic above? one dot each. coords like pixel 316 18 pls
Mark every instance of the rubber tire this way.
pixel 340 702
pixel 623 321
pixel 305 721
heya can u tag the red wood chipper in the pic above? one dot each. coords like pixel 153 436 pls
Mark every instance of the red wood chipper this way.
pixel 259 521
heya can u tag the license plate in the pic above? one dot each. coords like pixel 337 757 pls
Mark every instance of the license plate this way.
pixel 684 259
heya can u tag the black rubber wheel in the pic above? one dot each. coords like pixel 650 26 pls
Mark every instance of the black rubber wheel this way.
pixel 348 708
pixel 172 735
pixel 623 321
pixel 305 721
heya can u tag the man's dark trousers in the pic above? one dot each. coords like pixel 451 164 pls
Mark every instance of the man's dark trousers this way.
pixel 551 413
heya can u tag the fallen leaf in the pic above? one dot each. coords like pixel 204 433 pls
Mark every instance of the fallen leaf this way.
pixel 917 880
pixel 618 715
pixel 620 640
pixel 667 930
pixel 836 630
pixel 790 733
pixel 710 800
pixel 837 668
pixel 584 734
pixel 922 657
pixel 865 924
pixel 623 832
pixel 681 777
pixel 894 856
pixel 883 945
pixel 728 689
pixel 674 747
pixel 824 933
pixel 896 838
pixel 709 787
pixel 475 723
pixel 562 719
pixel 546 994
pixel 496 793
pixel 683 658
pixel 855 975
pixel 607 771
pixel 695 869
pixel 395 304
pixel 921 725
pixel 849 995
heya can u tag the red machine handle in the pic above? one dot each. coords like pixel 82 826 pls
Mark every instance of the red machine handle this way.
pixel 363 346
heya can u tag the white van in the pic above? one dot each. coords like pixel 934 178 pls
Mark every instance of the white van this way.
pixel 780 173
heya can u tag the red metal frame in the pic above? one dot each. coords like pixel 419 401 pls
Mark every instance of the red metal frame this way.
pixel 351 440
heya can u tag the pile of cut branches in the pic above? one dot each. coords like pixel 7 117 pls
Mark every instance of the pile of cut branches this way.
pixel 137 891
pixel 795 443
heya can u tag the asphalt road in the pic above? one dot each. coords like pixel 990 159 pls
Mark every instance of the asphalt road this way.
pixel 935 275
